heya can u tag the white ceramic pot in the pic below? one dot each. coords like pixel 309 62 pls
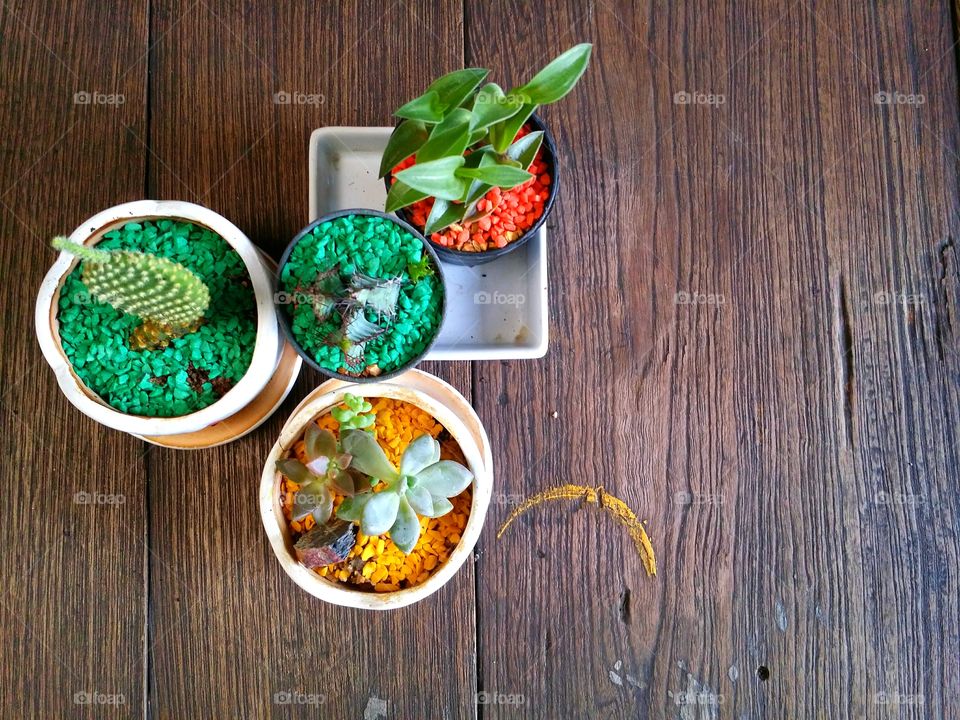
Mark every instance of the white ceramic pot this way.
pixel 451 410
pixel 266 352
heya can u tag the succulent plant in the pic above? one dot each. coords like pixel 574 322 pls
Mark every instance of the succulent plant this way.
pixel 356 415
pixel 327 470
pixel 463 138
pixel 168 297
pixel 351 300
pixel 421 486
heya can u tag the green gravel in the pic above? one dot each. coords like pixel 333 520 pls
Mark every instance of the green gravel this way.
pixel 380 248
pixel 157 383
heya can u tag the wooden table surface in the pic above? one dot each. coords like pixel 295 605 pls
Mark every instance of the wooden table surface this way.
pixel 754 342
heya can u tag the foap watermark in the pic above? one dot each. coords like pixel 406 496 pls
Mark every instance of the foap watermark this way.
pixel 694 297
pixel 95 97
pixel 698 97
pixel 896 297
pixel 507 499
pixel 685 497
pixel 701 698
pixel 897 498
pixel 895 97
pixel 294 297
pixel 887 698
pixel 498 298
pixel 295 697
pixel 95 697
pixel 298 98
pixel 98 498
pixel 492 697
pixel 514 99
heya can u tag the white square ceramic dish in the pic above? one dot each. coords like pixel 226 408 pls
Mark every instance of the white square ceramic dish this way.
pixel 496 311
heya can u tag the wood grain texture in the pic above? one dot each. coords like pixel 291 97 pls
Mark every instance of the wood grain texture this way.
pixel 72 516
pixel 734 372
pixel 231 635
pixel 754 342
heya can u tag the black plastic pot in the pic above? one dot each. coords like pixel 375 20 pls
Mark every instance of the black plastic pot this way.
pixel 285 319
pixel 460 257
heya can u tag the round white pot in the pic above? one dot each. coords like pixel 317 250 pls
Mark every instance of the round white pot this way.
pixel 266 352
pixel 451 410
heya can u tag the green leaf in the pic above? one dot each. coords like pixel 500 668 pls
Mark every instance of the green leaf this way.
pixel 525 149
pixel 453 88
pixel 449 137
pixel 351 509
pixel 558 77
pixel 406 529
pixel 420 453
pixel 504 176
pixel 420 500
pixel 492 106
pixel 441 506
pixel 408 137
pixel 427 108
pixel 314 499
pixel 436 178
pixel 442 215
pixel 380 513
pixel 503 134
pixel 350 482
pixel 478 158
pixel 445 478
pixel 295 470
pixel 319 442
pixel 368 456
pixel 401 195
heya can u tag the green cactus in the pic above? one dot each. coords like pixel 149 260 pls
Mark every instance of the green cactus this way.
pixel 169 298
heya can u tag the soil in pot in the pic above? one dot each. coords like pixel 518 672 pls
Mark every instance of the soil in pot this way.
pixel 504 215
pixel 351 250
pixel 192 371
pixel 376 564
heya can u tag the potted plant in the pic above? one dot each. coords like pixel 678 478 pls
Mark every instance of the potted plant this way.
pixel 473 167
pixel 361 295
pixel 158 320
pixel 375 494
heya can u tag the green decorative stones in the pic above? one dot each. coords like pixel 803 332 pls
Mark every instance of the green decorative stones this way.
pixel 193 370
pixel 360 294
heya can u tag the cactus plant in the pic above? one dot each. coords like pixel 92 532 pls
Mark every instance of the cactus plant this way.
pixel 421 486
pixel 169 298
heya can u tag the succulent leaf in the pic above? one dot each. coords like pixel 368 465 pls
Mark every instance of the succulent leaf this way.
pixel 455 87
pixel 445 478
pixel 313 499
pixel 319 442
pixel 492 106
pixel 295 470
pixel 368 456
pixel 352 507
pixel 380 512
pixel 421 453
pixel 503 133
pixel 420 500
pixel 426 108
pixel 401 195
pixel 524 150
pixel 436 178
pixel 405 530
pixel 377 294
pixel 558 77
pixel 443 214
pixel 449 137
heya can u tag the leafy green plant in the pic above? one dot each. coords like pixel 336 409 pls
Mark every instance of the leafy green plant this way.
pixel 169 298
pixel 420 486
pixel 326 471
pixel 463 137
pixel 356 415
pixel 351 300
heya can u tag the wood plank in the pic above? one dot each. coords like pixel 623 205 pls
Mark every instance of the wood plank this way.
pixel 793 446
pixel 72 570
pixel 229 631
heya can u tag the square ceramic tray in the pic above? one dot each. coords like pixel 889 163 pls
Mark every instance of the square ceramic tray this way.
pixel 495 311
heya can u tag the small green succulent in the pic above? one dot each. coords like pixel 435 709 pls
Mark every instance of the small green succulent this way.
pixel 421 486
pixel 463 137
pixel 356 415
pixel 326 471
pixel 350 300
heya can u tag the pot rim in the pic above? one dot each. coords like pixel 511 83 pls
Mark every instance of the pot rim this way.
pixel 85 399
pixel 285 322
pixel 476 450
pixel 462 257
